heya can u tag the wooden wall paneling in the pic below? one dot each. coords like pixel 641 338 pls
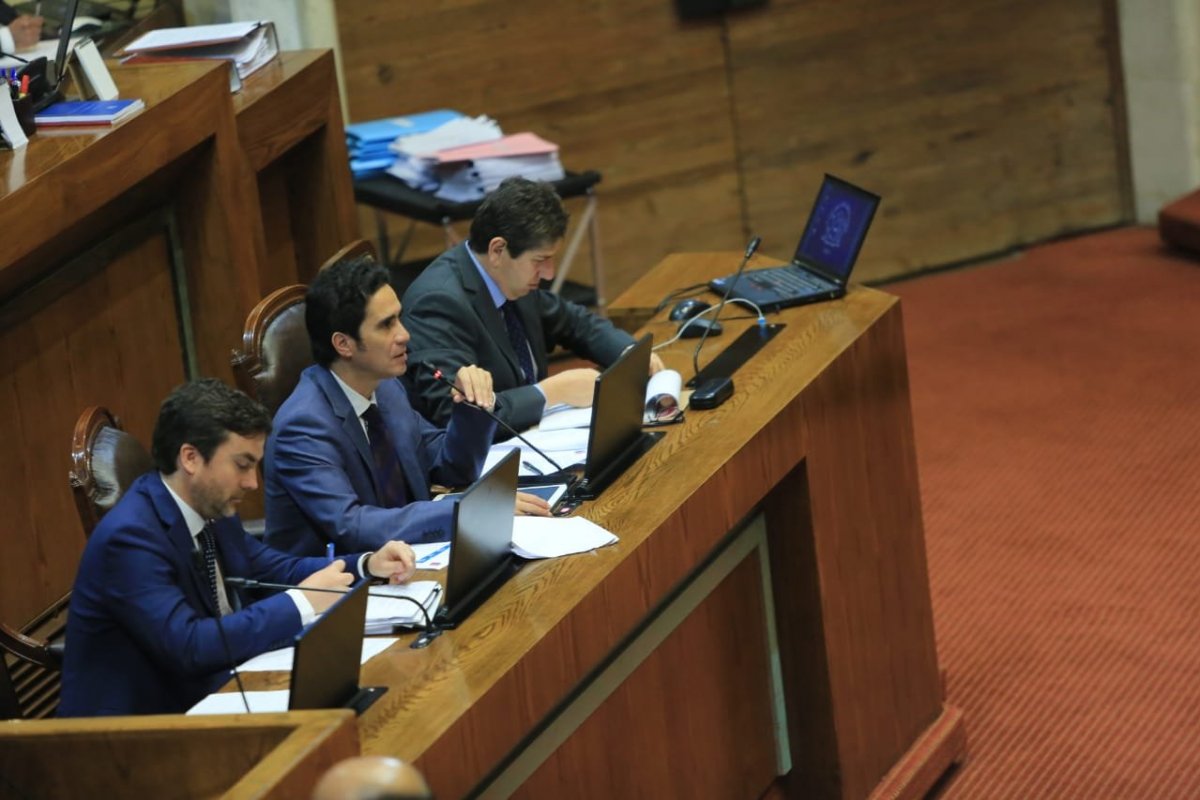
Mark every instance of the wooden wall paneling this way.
pixel 290 123
pixel 683 733
pixel 984 126
pixel 113 341
pixel 622 86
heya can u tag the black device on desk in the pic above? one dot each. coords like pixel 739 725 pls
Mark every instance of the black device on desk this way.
pixel 481 557
pixel 616 438
pixel 828 249
pixel 44 88
pixel 328 655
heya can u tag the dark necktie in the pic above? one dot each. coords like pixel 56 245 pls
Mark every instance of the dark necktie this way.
pixel 208 548
pixel 392 492
pixel 520 343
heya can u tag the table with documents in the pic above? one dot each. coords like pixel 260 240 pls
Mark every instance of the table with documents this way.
pixel 765 612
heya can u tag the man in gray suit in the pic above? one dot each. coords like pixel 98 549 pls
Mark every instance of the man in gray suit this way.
pixel 479 303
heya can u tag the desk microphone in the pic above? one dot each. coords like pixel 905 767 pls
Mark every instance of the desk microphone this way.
pixel 251 583
pixel 437 374
pixel 197 561
pixel 750 250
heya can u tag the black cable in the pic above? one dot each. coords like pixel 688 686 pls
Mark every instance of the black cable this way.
pixel 750 248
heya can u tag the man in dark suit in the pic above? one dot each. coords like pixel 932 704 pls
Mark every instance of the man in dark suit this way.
pixel 142 630
pixel 350 462
pixel 479 303
pixel 18 31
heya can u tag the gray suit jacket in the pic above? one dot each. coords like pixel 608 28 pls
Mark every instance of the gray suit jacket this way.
pixel 453 322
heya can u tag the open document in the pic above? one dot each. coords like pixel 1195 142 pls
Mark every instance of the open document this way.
pixel 551 537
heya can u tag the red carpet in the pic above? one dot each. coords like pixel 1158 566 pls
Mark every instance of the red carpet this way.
pixel 1057 407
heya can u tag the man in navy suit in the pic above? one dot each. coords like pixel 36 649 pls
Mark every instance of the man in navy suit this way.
pixel 350 462
pixel 142 630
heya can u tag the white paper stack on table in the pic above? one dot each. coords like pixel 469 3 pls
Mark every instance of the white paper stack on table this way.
pixel 566 446
pixel 248 46
pixel 416 155
pixel 464 159
pixel 662 395
pixel 385 614
pixel 551 537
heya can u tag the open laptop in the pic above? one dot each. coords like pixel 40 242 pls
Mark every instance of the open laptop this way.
pixel 616 438
pixel 828 248
pixel 328 655
pixel 481 558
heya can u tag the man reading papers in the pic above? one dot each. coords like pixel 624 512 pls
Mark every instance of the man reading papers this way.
pixel 479 303
pixel 142 631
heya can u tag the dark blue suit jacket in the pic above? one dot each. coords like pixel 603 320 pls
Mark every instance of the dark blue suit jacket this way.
pixel 320 475
pixel 141 634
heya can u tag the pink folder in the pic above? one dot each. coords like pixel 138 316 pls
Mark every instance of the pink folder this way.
pixel 518 144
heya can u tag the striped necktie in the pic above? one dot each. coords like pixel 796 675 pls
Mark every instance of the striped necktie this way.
pixel 208 548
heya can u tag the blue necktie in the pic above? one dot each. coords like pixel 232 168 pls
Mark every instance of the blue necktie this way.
pixel 520 343
pixel 388 472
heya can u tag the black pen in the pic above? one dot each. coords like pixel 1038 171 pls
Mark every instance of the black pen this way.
pixel 529 466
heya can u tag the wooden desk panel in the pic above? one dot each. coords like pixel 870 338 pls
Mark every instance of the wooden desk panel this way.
pixel 819 436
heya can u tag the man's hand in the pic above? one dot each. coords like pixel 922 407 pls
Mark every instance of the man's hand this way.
pixel 26 31
pixel 571 386
pixel 332 577
pixel 395 561
pixel 656 363
pixel 532 505
pixel 474 384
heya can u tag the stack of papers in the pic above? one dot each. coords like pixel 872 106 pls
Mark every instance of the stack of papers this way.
pixel 281 660
pixel 385 614
pixel 551 537
pixel 370 143
pixel 248 46
pixel 231 703
pixel 567 447
pixel 417 162
pixel 470 172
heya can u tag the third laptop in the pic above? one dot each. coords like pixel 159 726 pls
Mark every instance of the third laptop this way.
pixel 820 269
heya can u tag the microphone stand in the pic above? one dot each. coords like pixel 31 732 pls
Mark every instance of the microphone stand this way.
pixel 250 583
pixel 750 249
pixel 438 376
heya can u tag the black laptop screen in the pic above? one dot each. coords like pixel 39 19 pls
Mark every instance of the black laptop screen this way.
pixel 837 227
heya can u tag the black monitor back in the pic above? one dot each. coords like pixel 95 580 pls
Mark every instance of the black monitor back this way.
pixel 328 655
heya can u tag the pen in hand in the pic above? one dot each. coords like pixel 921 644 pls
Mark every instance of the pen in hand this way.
pixel 329 552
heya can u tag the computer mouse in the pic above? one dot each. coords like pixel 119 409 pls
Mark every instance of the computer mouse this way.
pixel 695 328
pixel 686 309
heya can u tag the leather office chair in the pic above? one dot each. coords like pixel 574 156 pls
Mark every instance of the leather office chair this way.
pixel 31 663
pixel 275 347
pixel 106 461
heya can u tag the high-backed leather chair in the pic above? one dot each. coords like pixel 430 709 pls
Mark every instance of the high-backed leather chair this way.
pixel 106 462
pixel 275 347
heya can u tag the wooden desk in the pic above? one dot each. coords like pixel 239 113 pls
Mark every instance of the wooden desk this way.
pixel 129 259
pixel 785 522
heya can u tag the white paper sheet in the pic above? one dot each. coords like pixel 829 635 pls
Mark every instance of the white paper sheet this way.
pixel 551 537
pixel 231 703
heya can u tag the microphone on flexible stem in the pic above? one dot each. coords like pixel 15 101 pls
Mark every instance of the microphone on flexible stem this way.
pixel 237 678
pixel 250 583
pixel 437 374
pixel 750 250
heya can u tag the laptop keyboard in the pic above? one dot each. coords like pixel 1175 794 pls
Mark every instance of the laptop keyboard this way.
pixel 789 280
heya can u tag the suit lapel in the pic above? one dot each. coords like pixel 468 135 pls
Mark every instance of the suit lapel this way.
pixel 351 425
pixel 485 309
pixel 182 544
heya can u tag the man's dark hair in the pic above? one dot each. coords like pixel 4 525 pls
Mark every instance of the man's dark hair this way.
pixel 203 413
pixel 524 213
pixel 337 302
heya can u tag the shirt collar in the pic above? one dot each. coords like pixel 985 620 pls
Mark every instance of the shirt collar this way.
pixel 195 523
pixel 498 298
pixel 359 402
